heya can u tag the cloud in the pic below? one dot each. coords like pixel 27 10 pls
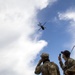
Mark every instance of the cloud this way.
pixel 42 4
pixel 69 16
pixel 19 41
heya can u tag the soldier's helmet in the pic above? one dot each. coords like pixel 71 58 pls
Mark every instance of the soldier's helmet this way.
pixel 45 55
pixel 66 53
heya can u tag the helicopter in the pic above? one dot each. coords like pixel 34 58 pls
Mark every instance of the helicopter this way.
pixel 42 26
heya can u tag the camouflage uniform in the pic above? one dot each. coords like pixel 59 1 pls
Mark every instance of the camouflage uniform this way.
pixel 68 65
pixel 47 68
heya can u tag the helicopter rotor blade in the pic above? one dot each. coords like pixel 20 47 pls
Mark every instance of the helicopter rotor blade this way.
pixel 39 29
pixel 44 23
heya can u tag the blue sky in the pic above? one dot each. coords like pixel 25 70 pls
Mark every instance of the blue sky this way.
pixel 56 32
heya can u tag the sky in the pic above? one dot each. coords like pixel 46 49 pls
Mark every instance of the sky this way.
pixel 21 44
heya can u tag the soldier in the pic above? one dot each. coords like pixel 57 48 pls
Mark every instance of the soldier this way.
pixel 46 67
pixel 69 66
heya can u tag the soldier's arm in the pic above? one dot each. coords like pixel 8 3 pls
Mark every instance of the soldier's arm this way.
pixel 60 61
pixel 61 64
pixel 38 67
pixel 38 70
